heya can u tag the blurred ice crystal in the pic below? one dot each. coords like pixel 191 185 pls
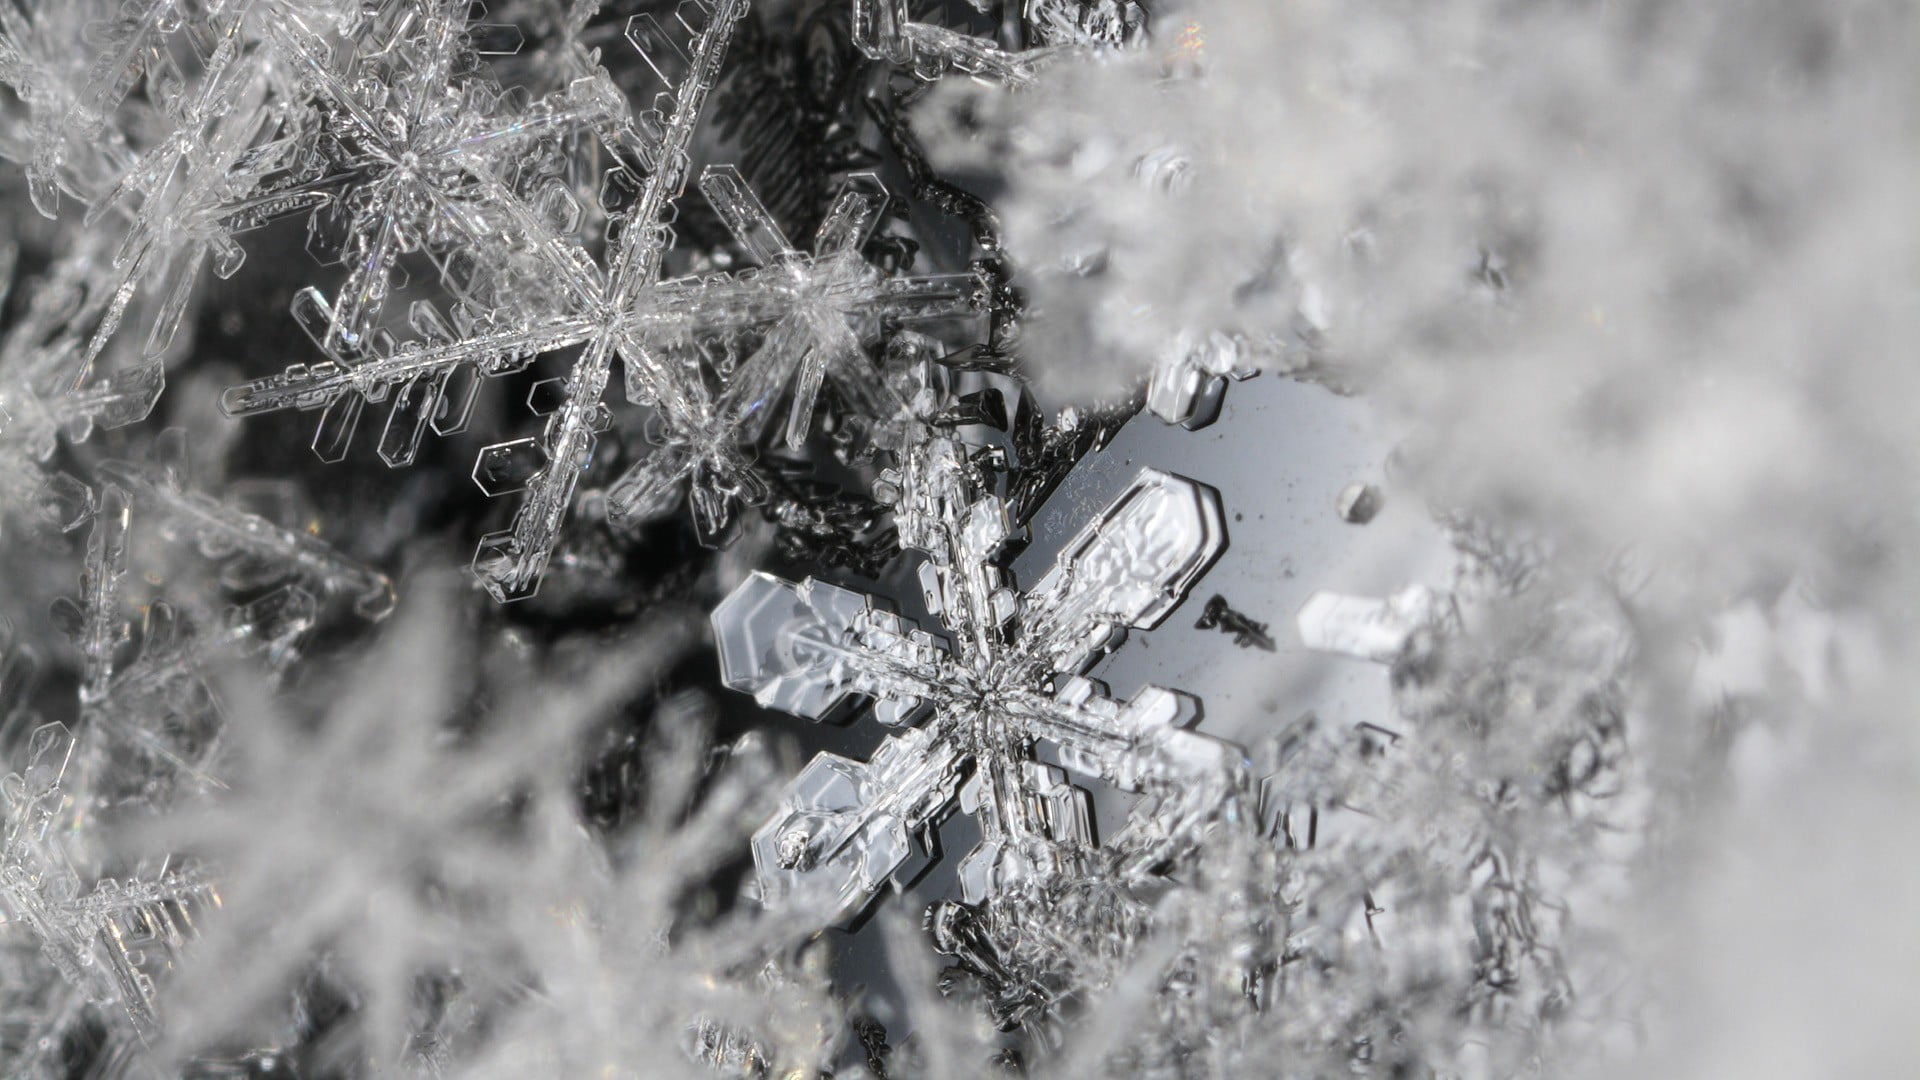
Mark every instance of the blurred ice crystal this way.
pixel 1368 629
pixel 155 702
pixel 45 393
pixel 223 531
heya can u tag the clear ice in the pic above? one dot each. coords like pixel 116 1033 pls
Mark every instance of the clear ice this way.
pixel 259 761
pixel 1003 675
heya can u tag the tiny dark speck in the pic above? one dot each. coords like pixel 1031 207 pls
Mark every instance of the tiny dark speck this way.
pixel 1247 633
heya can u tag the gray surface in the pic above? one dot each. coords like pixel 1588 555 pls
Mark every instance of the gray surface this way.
pixel 1280 454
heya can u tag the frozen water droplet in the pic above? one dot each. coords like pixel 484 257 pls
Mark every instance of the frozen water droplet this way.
pixel 1358 503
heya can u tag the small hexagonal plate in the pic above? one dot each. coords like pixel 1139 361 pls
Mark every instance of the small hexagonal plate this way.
pixel 504 468
pixel 547 395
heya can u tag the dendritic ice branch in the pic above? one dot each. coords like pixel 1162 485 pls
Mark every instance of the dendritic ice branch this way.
pixel 222 531
pixel 107 936
pixel 46 394
pixel 623 310
pixel 819 306
pixel 156 703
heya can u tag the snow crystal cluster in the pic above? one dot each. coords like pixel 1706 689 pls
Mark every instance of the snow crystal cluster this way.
pixel 796 711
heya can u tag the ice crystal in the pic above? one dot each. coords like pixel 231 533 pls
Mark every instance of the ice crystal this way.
pixel 156 703
pixel 621 309
pixel 976 707
pixel 884 29
pixel 106 936
pixel 904 438
pixel 812 302
pixel 45 393
pixel 389 886
pixel 222 531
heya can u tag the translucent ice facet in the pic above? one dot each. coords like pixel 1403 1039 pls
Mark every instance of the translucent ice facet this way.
pixel 1366 628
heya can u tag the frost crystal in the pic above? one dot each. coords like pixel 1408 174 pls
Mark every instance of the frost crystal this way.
pixel 620 309
pixel 1368 629
pixel 1006 678
pixel 815 304
pixel 109 938
pixel 1513 301
pixel 885 30
pixel 45 393
pixel 222 531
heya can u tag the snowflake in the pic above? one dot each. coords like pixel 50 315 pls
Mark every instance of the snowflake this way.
pixel 222 531
pixel 818 305
pixel 375 828
pixel 812 312
pixel 600 305
pixel 44 394
pixel 156 703
pixel 109 940
pixel 410 120
pixel 975 711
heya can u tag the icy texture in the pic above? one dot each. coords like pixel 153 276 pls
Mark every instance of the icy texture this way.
pixel 221 531
pixel 1006 678
pixel 814 304
pixel 42 395
pixel 156 702
pixel 885 30
pixel 108 936
pixel 1380 630
pixel 617 307
pixel 1628 290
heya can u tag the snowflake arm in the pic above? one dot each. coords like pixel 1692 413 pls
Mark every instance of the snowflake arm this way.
pixel 885 30
pixel 108 940
pixel 220 528
pixel 509 564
